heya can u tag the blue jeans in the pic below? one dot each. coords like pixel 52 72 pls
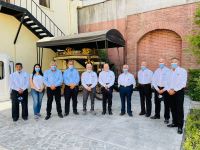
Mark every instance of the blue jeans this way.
pixel 37 100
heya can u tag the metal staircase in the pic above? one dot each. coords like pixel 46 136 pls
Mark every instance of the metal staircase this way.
pixel 32 16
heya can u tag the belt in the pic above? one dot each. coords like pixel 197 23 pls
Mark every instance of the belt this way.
pixel 145 84
pixel 17 91
pixel 160 87
pixel 126 86
pixel 69 86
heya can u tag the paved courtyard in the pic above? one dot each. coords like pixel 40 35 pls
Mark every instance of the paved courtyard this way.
pixel 88 132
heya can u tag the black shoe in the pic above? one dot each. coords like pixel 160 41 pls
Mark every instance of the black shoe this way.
pixel 15 119
pixel 121 114
pixel 76 113
pixel 103 113
pixel 66 114
pixel 172 125
pixel 141 113
pixel 60 115
pixel 130 115
pixel 155 117
pixel 110 113
pixel 25 118
pixel 180 130
pixel 147 115
pixel 47 117
pixel 166 121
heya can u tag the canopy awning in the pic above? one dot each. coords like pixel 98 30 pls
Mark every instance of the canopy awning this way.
pixel 100 39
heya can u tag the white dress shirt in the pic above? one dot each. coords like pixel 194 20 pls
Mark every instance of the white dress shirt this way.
pixel 177 79
pixel 88 78
pixel 160 78
pixel 19 81
pixel 38 81
pixel 126 79
pixel 107 78
pixel 145 76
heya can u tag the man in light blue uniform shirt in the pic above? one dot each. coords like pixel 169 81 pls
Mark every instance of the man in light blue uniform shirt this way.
pixel 19 82
pixel 71 79
pixel 53 80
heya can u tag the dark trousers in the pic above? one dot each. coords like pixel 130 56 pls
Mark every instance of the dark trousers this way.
pixel 50 95
pixel 68 94
pixel 145 96
pixel 107 98
pixel 176 106
pixel 125 94
pixel 158 104
pixel 15 104
pixel 86 94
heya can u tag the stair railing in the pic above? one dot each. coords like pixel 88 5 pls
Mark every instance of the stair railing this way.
pixel 39 14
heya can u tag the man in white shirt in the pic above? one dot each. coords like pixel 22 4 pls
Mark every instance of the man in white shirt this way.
pixel 126 83
pixel 144 79
pixel 89 81
pixel 159 82
pixel 19 83
pixel 107 79
pixel 175 86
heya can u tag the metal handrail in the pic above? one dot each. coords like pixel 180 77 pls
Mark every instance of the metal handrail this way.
pixel 39 14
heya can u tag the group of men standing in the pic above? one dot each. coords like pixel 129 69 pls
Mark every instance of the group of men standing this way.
pixel 169 86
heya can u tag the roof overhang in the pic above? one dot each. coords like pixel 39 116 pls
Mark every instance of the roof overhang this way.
pixel 100 39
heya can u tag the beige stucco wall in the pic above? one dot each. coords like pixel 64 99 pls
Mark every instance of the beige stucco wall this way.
pixel 25 49
pixel 62 12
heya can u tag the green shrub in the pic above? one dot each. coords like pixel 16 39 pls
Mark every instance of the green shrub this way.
pixel 194 84
pixel 192 131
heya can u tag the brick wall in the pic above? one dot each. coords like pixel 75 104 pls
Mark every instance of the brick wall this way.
pixel 156 44
pixel 160 33
pixel 153 34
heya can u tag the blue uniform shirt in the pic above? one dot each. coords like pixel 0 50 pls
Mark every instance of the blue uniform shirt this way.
pixel 53 78
pixel 71 76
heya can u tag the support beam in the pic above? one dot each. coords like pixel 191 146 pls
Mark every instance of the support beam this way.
pixel 20 26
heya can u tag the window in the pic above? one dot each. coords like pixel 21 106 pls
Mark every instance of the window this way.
pixel 45 3
pixel 1 70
